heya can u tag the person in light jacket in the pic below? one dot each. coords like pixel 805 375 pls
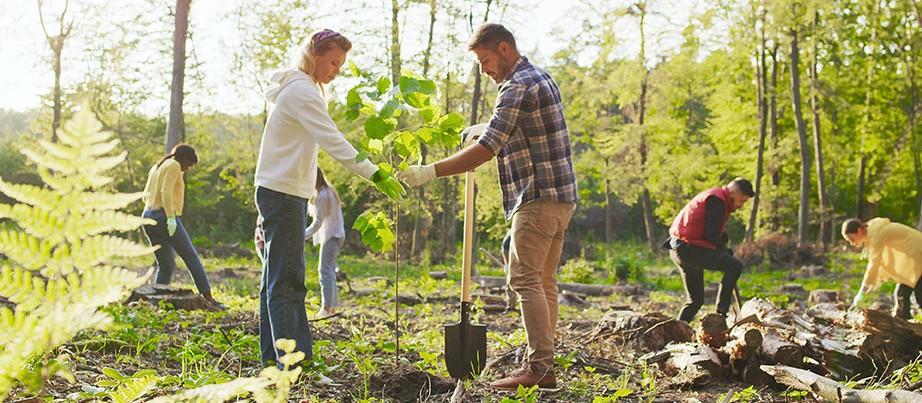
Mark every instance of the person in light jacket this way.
pixel 327 231
pixel 164 197
pixel 298 126
pixel 894 252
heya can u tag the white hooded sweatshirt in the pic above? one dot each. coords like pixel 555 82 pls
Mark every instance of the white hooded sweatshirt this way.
pixel 298 126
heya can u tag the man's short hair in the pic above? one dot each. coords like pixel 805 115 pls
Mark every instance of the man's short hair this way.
pixel 489 35
pixel 744 185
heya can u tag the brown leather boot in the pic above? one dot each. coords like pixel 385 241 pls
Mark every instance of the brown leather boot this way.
pixel 527 378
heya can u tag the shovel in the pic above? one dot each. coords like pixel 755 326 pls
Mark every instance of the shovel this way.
pixel 465 342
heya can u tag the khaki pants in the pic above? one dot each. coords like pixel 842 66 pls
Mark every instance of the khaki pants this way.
pixel 538 230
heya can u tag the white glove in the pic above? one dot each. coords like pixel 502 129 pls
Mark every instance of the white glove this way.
pixel 170 225
pixel 417 175
pixel 858 299
pixel 472 133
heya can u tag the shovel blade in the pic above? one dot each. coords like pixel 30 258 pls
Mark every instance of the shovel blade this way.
pixel 465 349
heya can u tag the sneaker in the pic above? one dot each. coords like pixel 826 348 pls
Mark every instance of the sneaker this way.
pixel 217 306
pixel 323 313
pixel 527 378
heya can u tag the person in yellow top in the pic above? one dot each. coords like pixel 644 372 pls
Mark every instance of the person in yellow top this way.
pixel 894 252
pixel 163 203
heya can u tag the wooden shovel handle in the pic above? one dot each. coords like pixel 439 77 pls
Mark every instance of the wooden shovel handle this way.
pixel 466 259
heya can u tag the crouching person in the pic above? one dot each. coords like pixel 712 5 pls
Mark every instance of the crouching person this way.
pixel 698 241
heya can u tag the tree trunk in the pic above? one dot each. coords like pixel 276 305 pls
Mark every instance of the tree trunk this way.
pixel 395 42
pixel 860 209
pixel 818 145
pixel 56 43
pixel 176 127
pixel 428 54
pixel 608 231
pixel 646 203
pixel 828 390
pixel 773 114
pixel 763 120
pixel 420 195
pixel 866 121
pixel 802 222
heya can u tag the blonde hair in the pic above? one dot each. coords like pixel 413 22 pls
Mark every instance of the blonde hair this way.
pixel 320 42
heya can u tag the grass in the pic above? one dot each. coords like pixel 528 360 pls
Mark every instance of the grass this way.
pixel 193 348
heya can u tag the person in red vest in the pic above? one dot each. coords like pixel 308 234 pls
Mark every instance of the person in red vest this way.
pixel 698 241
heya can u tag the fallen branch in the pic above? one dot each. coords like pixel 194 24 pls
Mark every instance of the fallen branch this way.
pixel 830 390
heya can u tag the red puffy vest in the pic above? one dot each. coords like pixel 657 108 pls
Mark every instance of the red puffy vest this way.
pixel 688 226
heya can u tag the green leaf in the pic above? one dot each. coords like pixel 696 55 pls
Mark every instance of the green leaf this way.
pixel 417 99
pixel 406 144
pixel 354 100
pixel 384 85
pixel 378 128
pixel 113 373
pixel 389 108
pixel 376 230
pixel 375 146
pixel 451 122
pixel 408 85
pixel 361 156
pixel 352 115
pixel 427 114
pixel 355 69
pixel 426 86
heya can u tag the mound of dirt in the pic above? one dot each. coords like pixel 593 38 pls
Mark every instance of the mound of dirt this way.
pixel 408 384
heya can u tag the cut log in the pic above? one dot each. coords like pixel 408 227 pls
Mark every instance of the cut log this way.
pixel 640 332
pixel 713 332
pixel 179 298
pixel 830 390
pixel 567 298
pixel 691 364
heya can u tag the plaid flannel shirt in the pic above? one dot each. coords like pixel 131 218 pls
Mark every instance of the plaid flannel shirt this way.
pixel 528 133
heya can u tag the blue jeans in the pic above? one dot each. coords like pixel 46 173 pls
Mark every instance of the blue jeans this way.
pixel 329 293
pixel 178 243
pixel 282 314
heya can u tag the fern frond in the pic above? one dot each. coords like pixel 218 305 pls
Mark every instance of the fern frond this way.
pixel 100 200
pixel 24 249
pixel 221 392
pixel 31 195
pixel 133 389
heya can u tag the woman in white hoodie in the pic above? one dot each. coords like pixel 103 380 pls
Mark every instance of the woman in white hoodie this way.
pixel 298 126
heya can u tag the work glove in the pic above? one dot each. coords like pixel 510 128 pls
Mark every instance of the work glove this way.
pixel 388 185
pixel 417 175
pixel 170 225
pixel 472 133
pixel 857 300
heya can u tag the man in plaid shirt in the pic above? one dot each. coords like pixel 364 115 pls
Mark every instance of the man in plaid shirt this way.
pixel 528 135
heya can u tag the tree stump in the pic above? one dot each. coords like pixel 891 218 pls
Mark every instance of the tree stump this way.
pixel 179 298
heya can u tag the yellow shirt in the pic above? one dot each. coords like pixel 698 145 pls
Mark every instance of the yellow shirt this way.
pixel 894 253
pixel 165 188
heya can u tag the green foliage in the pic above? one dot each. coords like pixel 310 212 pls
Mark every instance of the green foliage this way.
pixel 577 271
pixel 57 275
pixel 393 139
pixel 271 385
pixel 376 230
pixel 743 396
pixel 523 395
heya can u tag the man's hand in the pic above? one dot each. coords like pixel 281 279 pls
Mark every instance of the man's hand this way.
pixel 170 225
pixel 417 175
pixel 388 185
pixel 472 133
